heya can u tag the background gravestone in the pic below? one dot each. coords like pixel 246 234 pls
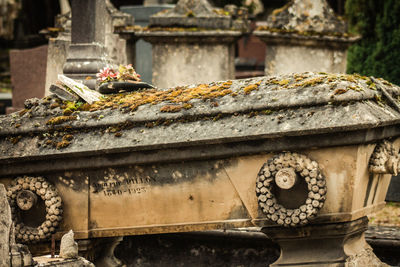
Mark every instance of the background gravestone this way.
pixel 28 75
pixel 194 43
pixel 143 50
pixel 304 36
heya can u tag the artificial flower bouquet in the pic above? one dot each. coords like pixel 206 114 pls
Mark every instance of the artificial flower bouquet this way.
pixel 125 73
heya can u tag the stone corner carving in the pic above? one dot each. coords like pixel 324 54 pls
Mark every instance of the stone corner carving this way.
pixel 384 159
pixel 11 253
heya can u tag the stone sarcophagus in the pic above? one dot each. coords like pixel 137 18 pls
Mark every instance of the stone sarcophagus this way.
pixel 304 156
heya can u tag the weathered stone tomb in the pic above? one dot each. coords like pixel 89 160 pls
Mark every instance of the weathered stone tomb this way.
pixel 304 156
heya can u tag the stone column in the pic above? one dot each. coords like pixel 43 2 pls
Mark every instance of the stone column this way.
pixel 194 43
pixel 117 48
pixel 328 245
pixel 91 21
pixel 305 36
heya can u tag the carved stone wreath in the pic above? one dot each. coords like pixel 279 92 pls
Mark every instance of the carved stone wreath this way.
pixel 22 194
pixel 282 169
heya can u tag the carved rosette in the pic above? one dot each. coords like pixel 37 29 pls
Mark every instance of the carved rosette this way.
pixel 23 194
pixel 384 159
pixel 282 171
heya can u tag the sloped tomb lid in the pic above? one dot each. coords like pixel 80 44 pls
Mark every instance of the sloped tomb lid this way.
pixel 259 109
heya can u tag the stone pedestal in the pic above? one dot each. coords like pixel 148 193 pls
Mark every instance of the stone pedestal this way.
pixel 105 252
pixel 181 58
pixel 331 244
pixel 194 43
pixel 117 49
pixel 87 53
pixel 305 36
pixel 292 53
pixel 142 51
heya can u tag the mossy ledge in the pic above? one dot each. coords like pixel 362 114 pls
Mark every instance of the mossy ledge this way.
pixel 56 122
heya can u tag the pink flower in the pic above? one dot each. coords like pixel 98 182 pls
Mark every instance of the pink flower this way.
pixel 106 74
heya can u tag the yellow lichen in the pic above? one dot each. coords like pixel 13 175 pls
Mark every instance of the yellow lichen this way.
pixel 250 88
pixel 309 82
pixel 283 82
pixel 62 144
pixel 379 100
pixel 247 90
pixel 371 84
pixel 60 119
pixel 339 91
pixel 171 108
pixel 68 137
pixel 221 11
pixel 178 95
pixel 67 112
pixel 23 112
pixel 54 105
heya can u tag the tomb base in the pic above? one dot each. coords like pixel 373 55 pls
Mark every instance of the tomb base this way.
pixel 332 244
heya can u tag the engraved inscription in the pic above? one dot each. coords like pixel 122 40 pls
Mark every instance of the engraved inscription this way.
pixel 127 186
pixel 120 192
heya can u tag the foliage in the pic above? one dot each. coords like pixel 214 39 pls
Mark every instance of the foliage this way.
pixel 378 53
